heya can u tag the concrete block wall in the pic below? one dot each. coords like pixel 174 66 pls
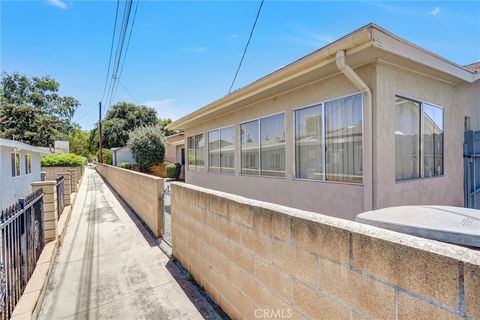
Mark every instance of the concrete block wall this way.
pixel 142 192
pixel 50 215
pixel 53 172
pixel 260 260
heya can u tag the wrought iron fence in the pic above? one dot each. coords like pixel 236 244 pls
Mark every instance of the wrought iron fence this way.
pixel 60 195
pixel 22 241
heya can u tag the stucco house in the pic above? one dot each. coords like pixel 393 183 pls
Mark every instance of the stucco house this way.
pixel 368 121
pixel 19 167
pixel 174 151
pixel 122 155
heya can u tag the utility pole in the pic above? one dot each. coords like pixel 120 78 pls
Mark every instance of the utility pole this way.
pixel 100 153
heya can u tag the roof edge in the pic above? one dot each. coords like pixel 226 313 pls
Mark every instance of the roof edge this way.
pixel 353 39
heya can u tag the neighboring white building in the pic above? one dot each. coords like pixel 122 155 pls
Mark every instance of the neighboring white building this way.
pixel 122 154
pixel 62 146
pixel 19 167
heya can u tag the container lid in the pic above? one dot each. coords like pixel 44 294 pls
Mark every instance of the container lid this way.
pixel 443 223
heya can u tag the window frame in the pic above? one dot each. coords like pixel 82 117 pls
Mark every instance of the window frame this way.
pixel 260 145
pixel 220 148
pixel 324 165
pixel 16 168
pixel 28 163
pixel 194 167
pixel 421 133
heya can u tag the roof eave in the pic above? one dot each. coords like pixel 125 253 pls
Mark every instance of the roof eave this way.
pixel 356 38
pixel 370 35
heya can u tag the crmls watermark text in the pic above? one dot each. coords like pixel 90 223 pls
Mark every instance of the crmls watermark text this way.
pixel 273 313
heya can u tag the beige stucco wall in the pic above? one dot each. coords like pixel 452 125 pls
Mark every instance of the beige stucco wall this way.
pixel 467 96
pixel 171 150
pixel 444 190
pixel 140 191
pixel 259 260
pixel 339 199
pixel 346 200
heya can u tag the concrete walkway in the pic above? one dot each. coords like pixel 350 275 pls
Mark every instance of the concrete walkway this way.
pixel 109 267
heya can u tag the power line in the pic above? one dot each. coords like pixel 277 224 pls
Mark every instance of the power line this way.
pixel 128 91
pixel 118 53
pixel 246 46
pixel 109 62
pixel 111 50
pixel 126 51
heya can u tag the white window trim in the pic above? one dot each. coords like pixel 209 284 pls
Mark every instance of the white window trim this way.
pixel 29 171
pixel 422 129
pixel 260 145
pixel 19 165
pixel 322 104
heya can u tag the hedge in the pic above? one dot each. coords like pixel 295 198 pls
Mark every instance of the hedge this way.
pixel 62 160
pixel 125 165
pixel 174 170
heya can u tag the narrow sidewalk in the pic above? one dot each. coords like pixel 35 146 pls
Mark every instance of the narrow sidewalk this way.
pixel 107 268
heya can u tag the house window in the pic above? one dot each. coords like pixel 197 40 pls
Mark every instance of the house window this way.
pixel 221 150
pixel 263 146
pixel 196 148
pixel 28 163
pixel 432 140
pixel 15 163
pixel 328 139
pixel 250 142
pixel 214 151
pixel 418 126
pixel 309 143
pixel 343 139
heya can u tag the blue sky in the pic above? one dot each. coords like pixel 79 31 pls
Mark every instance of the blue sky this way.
pixel 183 55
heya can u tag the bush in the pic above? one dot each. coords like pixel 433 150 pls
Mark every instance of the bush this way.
pixel 62 160
pixel 174 170
pixel 147 146
pixel 125 165
pixel 107 156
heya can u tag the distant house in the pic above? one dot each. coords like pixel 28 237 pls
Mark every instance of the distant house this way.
pixel 122 155
pixel 61 146
pixel 19 167
pixel 366 122
pixel 174 151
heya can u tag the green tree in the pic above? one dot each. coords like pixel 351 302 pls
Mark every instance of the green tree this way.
pixel 148 146
pixel 107 156
pixel 32 111
pixel 123 118
pixel 163 123
pixel 79 143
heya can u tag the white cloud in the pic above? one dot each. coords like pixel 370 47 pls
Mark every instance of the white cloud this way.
pixel 435 11
pixel 165 108
pixel 196 49
pixel 58 4
pixel 232 36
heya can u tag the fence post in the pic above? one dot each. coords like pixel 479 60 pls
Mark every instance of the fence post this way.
pixel 73 179
pixel 49 208
pixel 67 187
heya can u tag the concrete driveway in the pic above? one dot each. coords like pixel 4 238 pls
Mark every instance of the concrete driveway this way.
pixel 110 267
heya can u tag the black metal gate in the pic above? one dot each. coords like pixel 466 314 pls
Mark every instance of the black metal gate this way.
pixel 471 156
pixel 60 195
pixel 22 241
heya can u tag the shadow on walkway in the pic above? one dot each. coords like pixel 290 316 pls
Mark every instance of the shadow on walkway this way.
pixel 196 294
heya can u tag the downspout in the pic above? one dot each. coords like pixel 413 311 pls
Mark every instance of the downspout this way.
pixel 367 129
